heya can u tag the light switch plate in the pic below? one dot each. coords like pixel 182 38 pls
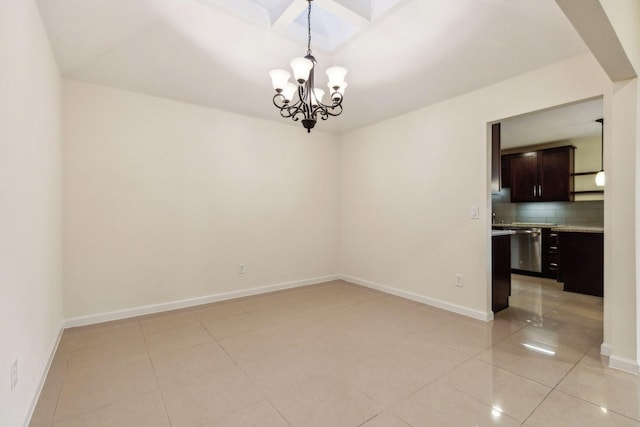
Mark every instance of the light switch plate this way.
pixel 474 212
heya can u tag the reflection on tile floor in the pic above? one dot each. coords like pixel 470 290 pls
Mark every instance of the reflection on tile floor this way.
pixel 337 354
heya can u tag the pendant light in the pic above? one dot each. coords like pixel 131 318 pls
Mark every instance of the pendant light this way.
pixel 307 105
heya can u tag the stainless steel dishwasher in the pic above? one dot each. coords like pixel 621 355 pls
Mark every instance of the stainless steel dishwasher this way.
pixel 526 249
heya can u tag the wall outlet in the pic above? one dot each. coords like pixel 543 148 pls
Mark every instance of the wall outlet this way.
pixel 14 374
pixel 241 269
pixel 459 280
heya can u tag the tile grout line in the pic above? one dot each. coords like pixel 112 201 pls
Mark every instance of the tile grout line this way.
pixel 66 366
pixel 54 421
pixel 580 398
pixel 155 373
pixel 245 373
pixel 551 389
pixel 575 365
pixel 353 303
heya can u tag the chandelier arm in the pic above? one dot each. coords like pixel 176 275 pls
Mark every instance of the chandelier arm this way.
pixel 292 112
pixel 322 112
pixel 307 111
pixel 280 101
pixel 333 109
pixel 309 108
pixel 298 111
pixel 336 97
pixel 302 106
pixel 286 113
pixel 336 113
pixel 288 110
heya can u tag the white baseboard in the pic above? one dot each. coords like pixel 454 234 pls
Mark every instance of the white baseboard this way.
pixel 459 309
pixel 619 363
pixel 155 308
pixel 190 302
pixel 43 378
pixel 623 364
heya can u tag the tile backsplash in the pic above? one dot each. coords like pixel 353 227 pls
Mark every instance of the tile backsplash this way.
pixel 589 213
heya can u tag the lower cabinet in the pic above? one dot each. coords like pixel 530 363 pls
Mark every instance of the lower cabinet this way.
pixel 501 272
pixel 581 262
pixel 549 253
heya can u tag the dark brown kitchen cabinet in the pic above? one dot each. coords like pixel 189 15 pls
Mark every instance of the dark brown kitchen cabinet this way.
pixel 505 170
pixel 543 175
pixel 524 177
pixel 549 253
pixel 501 272
pixel 581 262
pixel 495 159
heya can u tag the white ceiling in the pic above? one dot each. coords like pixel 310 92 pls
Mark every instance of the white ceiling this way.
pixel 401 54
pixel 555 124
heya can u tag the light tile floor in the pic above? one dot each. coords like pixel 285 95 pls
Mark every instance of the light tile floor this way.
pixel 338 354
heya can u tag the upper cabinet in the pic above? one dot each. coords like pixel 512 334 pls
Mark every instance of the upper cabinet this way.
pixel 495 158
pixel 505 170
pixel 543 175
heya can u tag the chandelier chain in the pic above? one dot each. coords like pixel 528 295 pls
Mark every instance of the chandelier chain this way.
pixel 309 29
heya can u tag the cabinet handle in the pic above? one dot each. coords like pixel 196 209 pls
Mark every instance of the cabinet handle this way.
pixel 553 235
pixel 534 191
pixel 553 247
pixel 539 190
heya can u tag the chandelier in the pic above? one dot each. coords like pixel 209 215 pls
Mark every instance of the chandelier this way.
pixel 303 100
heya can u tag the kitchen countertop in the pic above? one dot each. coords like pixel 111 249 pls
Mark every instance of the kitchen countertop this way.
pixel 495 233
pixel 526 225
pixel 577 229
pixel 553 227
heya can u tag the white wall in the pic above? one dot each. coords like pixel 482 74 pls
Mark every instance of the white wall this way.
pixel 163 200
pixel 622 214
pixel 620 275
pixel 407 185
pixel 588 156
pixel 30 206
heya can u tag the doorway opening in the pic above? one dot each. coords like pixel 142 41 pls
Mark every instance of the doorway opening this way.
pixel 559 203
